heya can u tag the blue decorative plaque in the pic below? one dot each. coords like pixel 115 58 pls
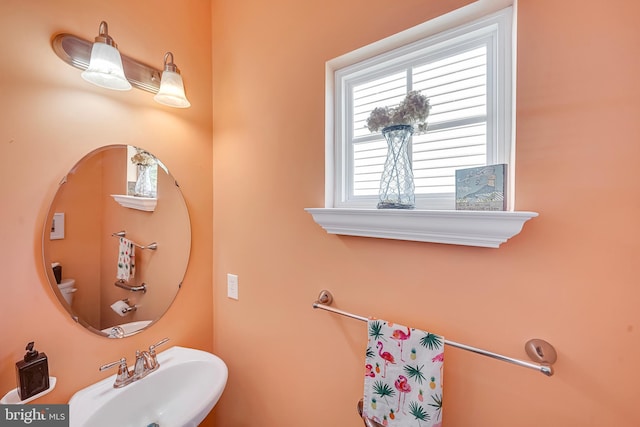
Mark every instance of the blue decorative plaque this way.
pixel 481 188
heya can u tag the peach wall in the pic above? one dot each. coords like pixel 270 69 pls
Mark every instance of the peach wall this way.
pixel 49 119
pixel 568 278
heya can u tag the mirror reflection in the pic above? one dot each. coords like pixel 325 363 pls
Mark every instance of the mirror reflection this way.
pixel 116 241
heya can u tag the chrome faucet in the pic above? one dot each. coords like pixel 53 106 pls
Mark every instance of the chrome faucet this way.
pixel 143 365
pixel 116 332
pixel 146 362
pixel 124 376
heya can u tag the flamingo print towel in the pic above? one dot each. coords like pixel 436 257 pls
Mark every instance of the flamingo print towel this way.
pixel 403 376
pixel 126 260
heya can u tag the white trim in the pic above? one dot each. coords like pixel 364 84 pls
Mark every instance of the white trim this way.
pixel 455 18
pixel 511 189
pixel 329 129
pixel 470 228
pixel 147 204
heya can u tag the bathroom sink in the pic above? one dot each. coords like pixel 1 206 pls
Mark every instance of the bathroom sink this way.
pixel 181 393
pixel 130 328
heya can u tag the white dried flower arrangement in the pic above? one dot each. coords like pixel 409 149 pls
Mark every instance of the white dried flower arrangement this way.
pixel 413 110
pixel 143 158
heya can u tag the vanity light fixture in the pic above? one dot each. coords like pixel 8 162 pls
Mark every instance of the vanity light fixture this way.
pixel 105 67
pixel 78 53
pixel 171 91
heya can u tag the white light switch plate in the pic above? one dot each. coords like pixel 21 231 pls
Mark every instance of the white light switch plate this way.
pixel 57 227
pixel 232 286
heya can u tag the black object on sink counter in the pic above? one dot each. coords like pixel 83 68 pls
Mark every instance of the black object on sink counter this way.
pixel 32 373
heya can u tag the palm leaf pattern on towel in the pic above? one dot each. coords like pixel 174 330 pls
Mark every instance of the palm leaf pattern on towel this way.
pixel 415 373
pixel 375 330
pixel 418 412
pixel 383 390
pixel 438 404
pixel 431 341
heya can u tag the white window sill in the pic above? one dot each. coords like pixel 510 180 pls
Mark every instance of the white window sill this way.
pixel 471 228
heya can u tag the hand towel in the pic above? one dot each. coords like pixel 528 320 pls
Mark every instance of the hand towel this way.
pixel 126 260
pixel 403 376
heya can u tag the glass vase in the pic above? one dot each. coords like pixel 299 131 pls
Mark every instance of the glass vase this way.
pixel 143 187
pixel 397 190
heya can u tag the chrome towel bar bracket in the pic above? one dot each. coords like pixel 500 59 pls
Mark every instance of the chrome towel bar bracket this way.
pixel 540 351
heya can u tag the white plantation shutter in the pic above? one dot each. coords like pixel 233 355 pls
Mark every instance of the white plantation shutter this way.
pixel 463 74
pixel 369 154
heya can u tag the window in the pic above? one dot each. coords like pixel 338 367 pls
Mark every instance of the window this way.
pixel 466 72
pixel 466 68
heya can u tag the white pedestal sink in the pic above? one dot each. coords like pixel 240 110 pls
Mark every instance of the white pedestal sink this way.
pixel 181 393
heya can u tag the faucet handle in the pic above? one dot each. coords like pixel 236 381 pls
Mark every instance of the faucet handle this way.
pixel 123 377
pixel 122 365
pixel 152 352
pixel 152 348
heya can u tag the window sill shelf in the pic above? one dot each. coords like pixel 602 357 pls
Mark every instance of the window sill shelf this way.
pixel 487 229
pixel 147 204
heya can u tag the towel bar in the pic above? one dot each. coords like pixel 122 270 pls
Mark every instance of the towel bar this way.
pixel 151 246
pixel 537 349
pixel 123 285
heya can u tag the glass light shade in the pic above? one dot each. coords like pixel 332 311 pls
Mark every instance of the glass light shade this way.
pixel 105 68
pixel 171 91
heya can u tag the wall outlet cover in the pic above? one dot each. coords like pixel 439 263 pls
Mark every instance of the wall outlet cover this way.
pixel 232 286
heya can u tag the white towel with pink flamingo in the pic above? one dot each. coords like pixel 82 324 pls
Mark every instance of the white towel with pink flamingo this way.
pixel 403 376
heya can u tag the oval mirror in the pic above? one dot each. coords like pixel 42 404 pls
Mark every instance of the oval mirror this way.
pixel 116 240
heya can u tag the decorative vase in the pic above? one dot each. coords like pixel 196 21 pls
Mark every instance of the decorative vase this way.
pixel 143 187
pixel 396 183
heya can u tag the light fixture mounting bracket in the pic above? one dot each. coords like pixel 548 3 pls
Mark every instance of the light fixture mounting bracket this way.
pixel 76 52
